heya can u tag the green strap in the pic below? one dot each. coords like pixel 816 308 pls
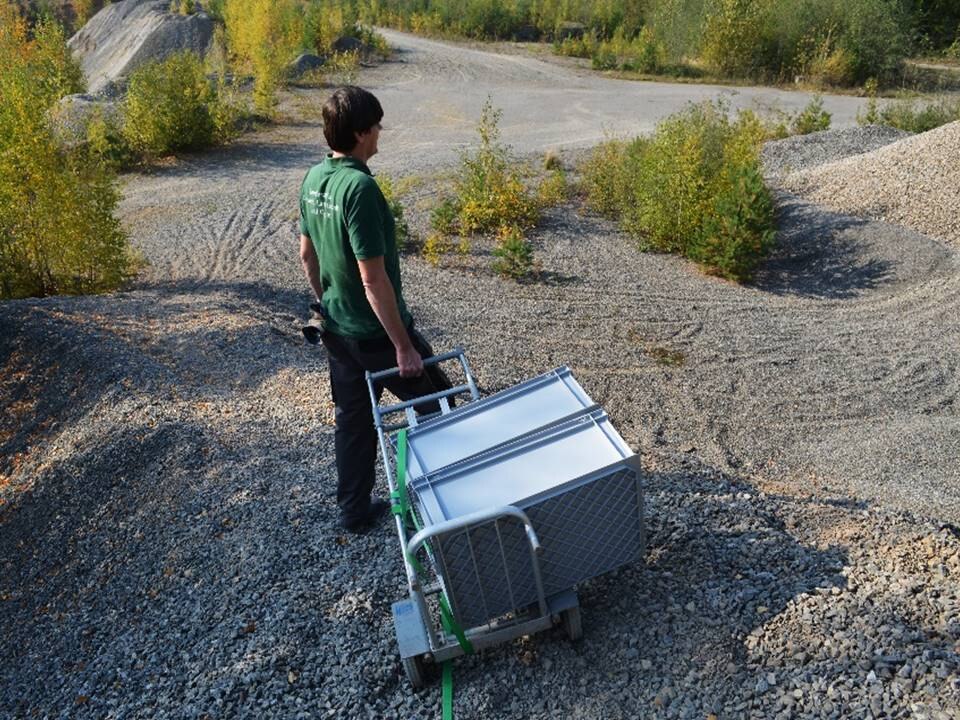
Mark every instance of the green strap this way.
pixel 402 472
pixel 450 625
pixel 447 690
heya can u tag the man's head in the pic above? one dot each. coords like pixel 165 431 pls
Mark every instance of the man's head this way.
pixel 352 116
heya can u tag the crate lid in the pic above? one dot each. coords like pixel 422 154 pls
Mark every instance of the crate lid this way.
pixel 507 415
pixel 539 465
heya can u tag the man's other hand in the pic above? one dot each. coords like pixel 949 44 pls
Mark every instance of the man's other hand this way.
pixel 409 362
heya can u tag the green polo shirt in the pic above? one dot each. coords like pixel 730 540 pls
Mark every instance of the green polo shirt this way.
pixel 344 213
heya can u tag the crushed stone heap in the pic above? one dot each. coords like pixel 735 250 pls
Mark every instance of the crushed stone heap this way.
pixel 914 182
pixel 129 33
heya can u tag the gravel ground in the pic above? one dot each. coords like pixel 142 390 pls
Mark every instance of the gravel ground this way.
pixel 168 538
pixel 914 182
pixel 800 152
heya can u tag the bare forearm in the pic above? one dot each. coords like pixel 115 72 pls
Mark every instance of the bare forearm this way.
pixel 383 300
pixel 311 266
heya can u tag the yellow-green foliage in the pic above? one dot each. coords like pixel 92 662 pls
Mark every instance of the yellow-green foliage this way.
pixel 171 105
pixel 264 36
pixel 643 53
pixel 694 188
pixel 488 193
pixel 734 38
pixel 389 190
pixel 57 230
pixel 552 189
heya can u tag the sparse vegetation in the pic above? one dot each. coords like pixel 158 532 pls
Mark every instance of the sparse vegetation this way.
pixel 171 105
pixel 491 198
pixel 910 113
pixel 813 118
pixel 390 192
pixel 58 234
pixel 694 189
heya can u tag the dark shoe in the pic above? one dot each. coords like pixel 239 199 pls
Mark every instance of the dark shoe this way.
pixel 375 511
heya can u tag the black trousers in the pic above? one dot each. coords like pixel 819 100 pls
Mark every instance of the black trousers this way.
pixel 355 437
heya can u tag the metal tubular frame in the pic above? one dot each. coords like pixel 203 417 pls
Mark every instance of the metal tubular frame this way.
pixel 442 646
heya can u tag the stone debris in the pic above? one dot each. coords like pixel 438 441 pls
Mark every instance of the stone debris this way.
pixel 914 182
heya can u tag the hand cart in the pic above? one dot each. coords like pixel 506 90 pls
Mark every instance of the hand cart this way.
pixel 470 488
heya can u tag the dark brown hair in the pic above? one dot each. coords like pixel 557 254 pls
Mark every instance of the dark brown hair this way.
pixel 349 110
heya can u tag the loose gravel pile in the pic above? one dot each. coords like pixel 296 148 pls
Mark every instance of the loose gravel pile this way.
pixel 801 152
pixel 914 182
pixel 168 538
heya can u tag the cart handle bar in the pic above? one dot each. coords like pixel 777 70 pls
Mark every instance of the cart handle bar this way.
pixel 475 518
pixel 450 355
pixel 380 412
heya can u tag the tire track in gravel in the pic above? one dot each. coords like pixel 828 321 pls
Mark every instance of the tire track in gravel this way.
pixel 838 332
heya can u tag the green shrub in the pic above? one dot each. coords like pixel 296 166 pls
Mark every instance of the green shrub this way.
pixel 737 228
pixel 552 189
pixel 443 218
pixel 735 36
pixel 58 233
pixel 488 193
pixel 911 114
pixel 691 189
pixel 389 190
pixel 876 34
pixel 171 105
pixel 514 256
pixel 813 118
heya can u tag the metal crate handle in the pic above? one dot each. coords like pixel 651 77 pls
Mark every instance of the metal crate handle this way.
pixel 465 522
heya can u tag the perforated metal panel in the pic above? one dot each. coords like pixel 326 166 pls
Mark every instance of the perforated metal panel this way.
pixel 586 528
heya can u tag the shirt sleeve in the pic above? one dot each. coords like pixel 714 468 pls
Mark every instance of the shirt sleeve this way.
pixel 304 228
pixel 365 222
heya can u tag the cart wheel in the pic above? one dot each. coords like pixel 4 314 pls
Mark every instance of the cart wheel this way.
pixel 571 623
pixel 413 667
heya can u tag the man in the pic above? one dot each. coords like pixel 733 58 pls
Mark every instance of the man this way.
pixel 349 255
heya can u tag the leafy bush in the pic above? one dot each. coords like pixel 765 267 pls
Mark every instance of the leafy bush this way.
pixel 552 189
pixel 911 114
pixel 389 190
pixel 735 38
pixel 171 105
pixel 488 193
pixel 690 189
pixel 813 118
pixel 57 229
pixel 514 256
pixel 443 218
pixel 737 228
pixel 264 36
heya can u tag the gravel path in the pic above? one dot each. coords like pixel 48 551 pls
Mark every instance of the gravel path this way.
pixel 168 546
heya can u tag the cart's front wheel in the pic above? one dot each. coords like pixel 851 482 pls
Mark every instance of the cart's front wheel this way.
pixel 571 623
pixel 413 667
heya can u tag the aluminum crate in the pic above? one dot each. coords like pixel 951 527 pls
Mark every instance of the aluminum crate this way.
pixel 508 415
pixel 580 486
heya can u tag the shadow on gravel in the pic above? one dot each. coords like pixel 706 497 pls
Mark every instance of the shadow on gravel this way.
pixel 815 255
pixel 673 631
pixel 242 158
